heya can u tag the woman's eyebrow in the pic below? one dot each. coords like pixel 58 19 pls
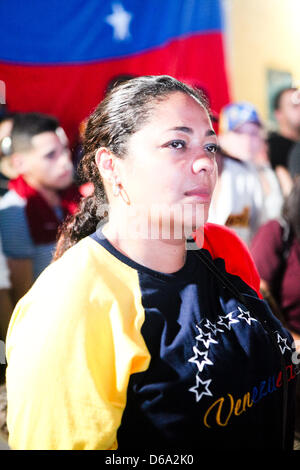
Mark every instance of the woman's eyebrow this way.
pixel 189 130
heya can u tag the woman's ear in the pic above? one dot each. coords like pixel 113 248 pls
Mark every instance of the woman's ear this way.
pixel 105 161
pixel 107 164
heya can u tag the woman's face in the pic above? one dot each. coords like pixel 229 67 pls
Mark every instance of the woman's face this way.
pixel 170 172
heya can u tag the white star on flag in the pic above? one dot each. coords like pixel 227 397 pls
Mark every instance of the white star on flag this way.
pixel 200 364
pixel 119 20
pixel 199 390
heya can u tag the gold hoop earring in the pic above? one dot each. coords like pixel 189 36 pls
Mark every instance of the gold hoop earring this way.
pixel 116 189
pixel 124 196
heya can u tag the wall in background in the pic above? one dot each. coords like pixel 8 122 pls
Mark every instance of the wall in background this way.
pixel 262 47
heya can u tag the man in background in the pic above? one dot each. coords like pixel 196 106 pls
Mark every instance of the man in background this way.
pixel 238 199
pixel 38 200
pixel 287 114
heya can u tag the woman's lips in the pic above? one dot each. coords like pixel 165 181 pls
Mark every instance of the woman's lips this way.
pixel 202 195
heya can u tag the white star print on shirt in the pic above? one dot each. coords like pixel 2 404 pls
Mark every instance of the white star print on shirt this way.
pixel 202 362
pixel 282 341
pixel 205 338
pixel 199 390
pixel 245 315
pixel 227 320
pixel 119 20
pixel 212 327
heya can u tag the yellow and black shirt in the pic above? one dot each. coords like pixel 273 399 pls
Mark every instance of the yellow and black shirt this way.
pixel 104 353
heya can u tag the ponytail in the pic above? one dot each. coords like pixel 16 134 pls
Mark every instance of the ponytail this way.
pixel 82 224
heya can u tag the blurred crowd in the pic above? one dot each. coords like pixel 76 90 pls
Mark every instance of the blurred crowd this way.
pixel 257 195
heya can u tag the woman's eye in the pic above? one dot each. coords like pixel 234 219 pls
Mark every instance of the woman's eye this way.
pixel 50 155
pixel 176 144
pixel 211 148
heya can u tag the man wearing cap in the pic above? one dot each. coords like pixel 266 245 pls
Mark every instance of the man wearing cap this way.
pixel 248 192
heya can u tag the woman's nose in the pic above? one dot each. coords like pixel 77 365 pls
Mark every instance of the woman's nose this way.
pixel 204 164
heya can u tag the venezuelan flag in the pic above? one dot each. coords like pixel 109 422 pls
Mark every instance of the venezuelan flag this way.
pixel 58 57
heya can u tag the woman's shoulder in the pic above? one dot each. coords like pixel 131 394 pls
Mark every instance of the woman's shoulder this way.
pixel 84 264
pixel 74 288
pixel 86 273
pixel 224 243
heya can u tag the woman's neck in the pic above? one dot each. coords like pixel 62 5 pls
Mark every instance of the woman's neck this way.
pixel 166 256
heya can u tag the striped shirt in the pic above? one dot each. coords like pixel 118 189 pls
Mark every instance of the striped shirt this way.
pixel 16 239
pixel 4 272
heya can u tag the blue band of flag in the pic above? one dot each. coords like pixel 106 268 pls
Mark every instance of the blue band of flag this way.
pixel 80 31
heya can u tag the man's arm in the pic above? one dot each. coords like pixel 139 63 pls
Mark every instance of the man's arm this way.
pixel 6 308
pixel 21 275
